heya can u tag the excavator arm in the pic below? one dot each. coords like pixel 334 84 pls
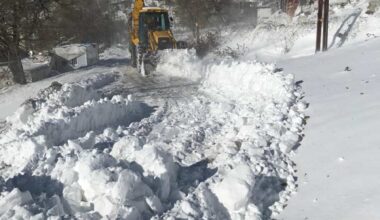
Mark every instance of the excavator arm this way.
pixel 139 4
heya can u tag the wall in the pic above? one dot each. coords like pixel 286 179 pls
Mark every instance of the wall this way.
pixel 92 54
pixel 81 62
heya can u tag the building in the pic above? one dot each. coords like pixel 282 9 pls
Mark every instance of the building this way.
pixel 73 56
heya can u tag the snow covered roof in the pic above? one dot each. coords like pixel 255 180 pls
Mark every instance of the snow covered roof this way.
pixel 72 51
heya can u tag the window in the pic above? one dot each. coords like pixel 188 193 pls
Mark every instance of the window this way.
pixel 74 61
pixel 157 21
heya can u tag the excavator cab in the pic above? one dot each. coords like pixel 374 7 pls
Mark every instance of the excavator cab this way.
pixel 155 21
pixel 152 23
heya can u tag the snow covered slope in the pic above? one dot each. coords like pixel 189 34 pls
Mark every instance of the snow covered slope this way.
pixel 338 160
pixel 281 37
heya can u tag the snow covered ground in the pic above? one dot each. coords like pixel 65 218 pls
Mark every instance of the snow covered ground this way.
pixel 338 161
pixel 184 143
pixel 203 139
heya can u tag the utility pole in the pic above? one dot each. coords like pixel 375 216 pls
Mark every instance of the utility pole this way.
pixel 319 25
pixel 326 25
pixel 322 23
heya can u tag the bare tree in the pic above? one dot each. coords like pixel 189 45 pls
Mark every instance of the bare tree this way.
pixel 19 19
pixel 84 21
pixel 193 14
pixel 196 14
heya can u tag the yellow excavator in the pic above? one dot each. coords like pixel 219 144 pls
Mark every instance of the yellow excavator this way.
pixel 149 31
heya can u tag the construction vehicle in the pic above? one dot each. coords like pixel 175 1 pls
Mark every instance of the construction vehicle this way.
pixel 149 31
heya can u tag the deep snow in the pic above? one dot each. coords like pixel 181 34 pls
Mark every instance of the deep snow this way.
pixel 201 139
pixel 338 161
pixel 169 148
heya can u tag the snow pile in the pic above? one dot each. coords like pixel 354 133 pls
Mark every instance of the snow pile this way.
pixel 235 190
pixel 248 129
pixel 71 153
pixel 53 152
pixel 62 112
pixel 268 128
pixel 249 82
pixel 95 182
pixel 180 63
pixel 156 163
pixel 223 153
pixel 258 118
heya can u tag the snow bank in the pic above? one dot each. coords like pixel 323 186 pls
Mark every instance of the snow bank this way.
pixel 66 111
pixel 242 81
pixel 58 115
pixel 58 137
pixel 260 110
pixel 249 82
pixel 72 154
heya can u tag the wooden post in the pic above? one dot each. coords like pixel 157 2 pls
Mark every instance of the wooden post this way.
pixel 319 25
pixel 326 24
pixel 197 32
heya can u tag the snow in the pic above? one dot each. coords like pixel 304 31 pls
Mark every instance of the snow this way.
pixel 337 161
pixel 153 162
pixel 280 37
pixel 253 98
pixel 235 189
pixel 117 52
pixel 249 82
pixel 180 63
pixel 72 51
pixel 14 198
pixel 12 97
pixel 212 138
